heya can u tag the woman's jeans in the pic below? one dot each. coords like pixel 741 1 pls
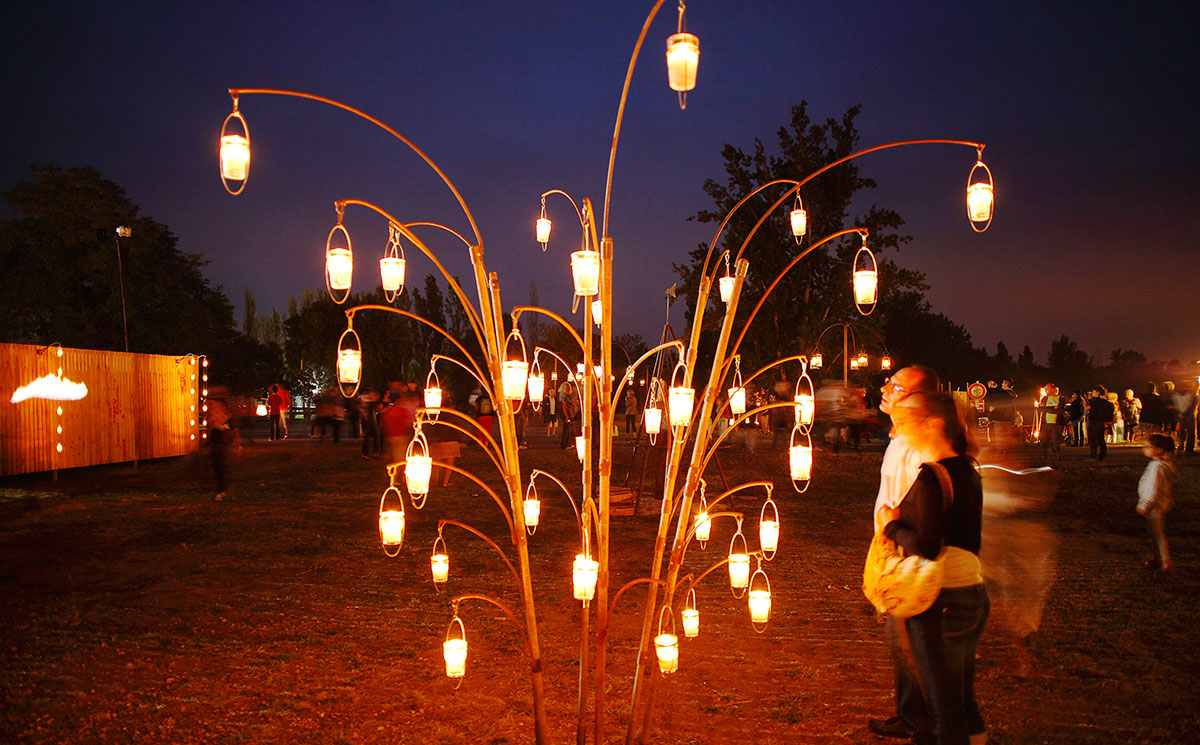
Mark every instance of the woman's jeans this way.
pixel 943 642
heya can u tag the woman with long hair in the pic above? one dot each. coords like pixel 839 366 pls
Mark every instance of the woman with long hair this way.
pixel 941 516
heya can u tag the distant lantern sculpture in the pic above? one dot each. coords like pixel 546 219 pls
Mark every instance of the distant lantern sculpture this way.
pixel 339 263
pixel 235 151
pixel 980 196
pixel 585 271
pixel 391 521
pixel 666 644
pixel 866 280
pixel 683 57
pixel 391 266
pixel 454 649
pixel 798 218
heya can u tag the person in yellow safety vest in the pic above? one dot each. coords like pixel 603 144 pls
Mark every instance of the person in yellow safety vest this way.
pixel 1053 411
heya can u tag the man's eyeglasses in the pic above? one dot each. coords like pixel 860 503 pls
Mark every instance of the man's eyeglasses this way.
pixel 889 384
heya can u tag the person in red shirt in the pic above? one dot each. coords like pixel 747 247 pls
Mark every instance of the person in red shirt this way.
pixel 274 410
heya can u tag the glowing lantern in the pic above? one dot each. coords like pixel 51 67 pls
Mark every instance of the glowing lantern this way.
pixel 980 196
pixel 854 364
pixel 433 398
pixel 584 577
pixel 585 270
pixel 799 220
pixel 800 462
pixel 703 525
pixel 391 273
pixel 683 56
pixel 532 509
pixel 339 266
pixel 768 529
pixel 865 285
pixel 862 359
pixel 666 646
pixel 726 287
pixel 691 622
pixel 760 600
pixel 454 650
pixel 537 387
pixel 737 400
pixel 597 312
pixel 515 372
pixel 418 469
pixel 680 399
pixel 885 363
pixel 652 416
pixel 439 562
pixel 817 361
pixel 235 157
pixel 391 522
pixel 805 408
pixel 261 409
pixel 543 230
pixel 581 447
pixel 739 571
pixel 349 365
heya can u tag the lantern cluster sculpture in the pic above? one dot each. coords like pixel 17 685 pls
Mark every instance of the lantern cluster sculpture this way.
pixel 690 408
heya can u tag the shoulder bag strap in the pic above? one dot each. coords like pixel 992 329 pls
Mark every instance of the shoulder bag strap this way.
pixel 943 477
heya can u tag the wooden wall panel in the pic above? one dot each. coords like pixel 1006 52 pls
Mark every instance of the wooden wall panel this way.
pixel 138 407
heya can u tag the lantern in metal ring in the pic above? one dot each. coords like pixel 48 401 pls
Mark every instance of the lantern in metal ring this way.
pixel 666 644
pixel 866 281
pixel 585 270
pixel 439 562
pixel 800 459
pixel 391 521
pixel 531 508
pixel 760 600
pixel 739 562
pixel 768 529
pixel 454 650
pixel 691 616
pixel 515 372
pixel 980 196
pixel 583 577
pixel 680 398
pixel 235 151
pixel 418 468
pixel 339 263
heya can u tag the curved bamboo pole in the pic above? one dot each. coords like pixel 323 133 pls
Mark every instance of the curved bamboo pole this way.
pixel 632 583
pixel 712 449
pixel 487 388
pixel 578 517
pixel 760 371
pixel 511 616
pixel 474 438
pixel 391 468
pixel 518 310
pixel 617 393
pixel 512 569
pixel 730 213
pixel 235 93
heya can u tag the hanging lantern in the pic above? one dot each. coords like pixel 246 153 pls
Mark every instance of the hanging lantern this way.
pixel 515 373
pixel 737 400
pixel 417 469
pixel 261 409
pixel 680 398
pixel 739 562
pixel 585 270
pixel 391 521
pixel 235 152
pixel 581 447
pixel 760 600
pixel 391 273
pixel 584 577
pixel 532 509
pixel 817 361
pixel 725 284
pixel 454 650
pixel 800 460
pixel 666 644
pixel 980 196
pixel 433 398
pixel 862 360
pixel 885 363
pixel 339 263
pixel 866 280
pixel 799 221
pixel 768 529
pixel 703 525
pixel 691 616
pixel 349 365
pixel 854 364
pixel 597 312
pixel 683 56
pixel 652 416
pixel 543 230
pixel 439 562
pixel 537 387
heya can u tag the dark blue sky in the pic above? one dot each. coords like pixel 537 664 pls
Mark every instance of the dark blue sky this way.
pixel 1088 109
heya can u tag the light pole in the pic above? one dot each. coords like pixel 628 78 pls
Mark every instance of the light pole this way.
pixel 122 232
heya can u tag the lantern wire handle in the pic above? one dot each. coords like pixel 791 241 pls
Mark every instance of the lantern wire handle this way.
pixel 680 28
pixel 689 603
pixel 418 439
pixel 328 246
pixel 462 634
pixel 516 333
pixel 445 552
pixel 875 268
pixel 382 500
pixel 394 250
pixel 800 391
pixel 759 628
pixel 358 345
pixel 680 429
pixel 703 511
pixel 746 550
pixel 654 396
pixel 546 245
pixel 535 365
pixel 528 489
pixel 799 205
pixel 991 184
pixel 761 515
pixel 800 485
pixel 432 377
pixel 235 114
pixel 664 614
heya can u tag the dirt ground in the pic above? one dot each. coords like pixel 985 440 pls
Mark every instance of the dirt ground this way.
pixel 137 609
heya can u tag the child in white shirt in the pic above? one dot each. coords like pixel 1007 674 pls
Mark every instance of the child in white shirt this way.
pixel 1154 495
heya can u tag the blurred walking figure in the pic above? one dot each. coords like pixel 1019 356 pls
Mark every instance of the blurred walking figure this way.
pixel 275 411
pixel 631 412
pixel 1152 410
pixel 285 407
pixel 1077 412
pixel 1185 408
pixel 1100 414
pixel 396 417
pixel 1051 407
pixel 220 436
pixel 368 410
pixel 550 411
pixel 1154 496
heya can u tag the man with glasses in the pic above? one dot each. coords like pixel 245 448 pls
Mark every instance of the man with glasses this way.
pixel 901 462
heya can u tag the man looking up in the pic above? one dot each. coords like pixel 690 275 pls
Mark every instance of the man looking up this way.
pixel 901 462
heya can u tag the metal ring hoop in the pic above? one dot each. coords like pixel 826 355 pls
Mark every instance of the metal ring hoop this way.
pixel 432 553
pixel 418 437
pixel 530 488
pixel 462 634
pixel 746 546
pixel 759 628
pixel 353 391
pixel 537 405
pixel 516 332
pixel 350 248
pixel 235 114
pixel 970 180
pixel 875 267
pixel 799 205
pixel 437 383
pixel 812 393
pixel 796 483
pixel 394 250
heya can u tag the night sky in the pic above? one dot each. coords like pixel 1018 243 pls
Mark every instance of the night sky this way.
pixel 1088 110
